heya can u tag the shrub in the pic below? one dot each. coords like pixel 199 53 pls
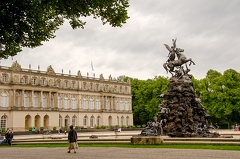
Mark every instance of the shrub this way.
pixel 104 127
pixel 41 128
pixel 77 127
pixel 54 128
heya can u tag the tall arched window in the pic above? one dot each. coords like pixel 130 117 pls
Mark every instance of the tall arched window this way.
pixel 66 102
pixel 121 105
pixel 91 103
pixel 97 104
pixel 91 121
pixel 74 105
pixel 122 121
pixel 74 120
pixel 25 100
pixel 60 121
pixel 126 106
pixel 127 121
pixel 66 121
pixel 85 121
pixel 107 104
pixel 98 121
pixel 4 121
pixel 59 102
pixel 44 101
pixel 84 103
pixel 4 100
pixel 35 101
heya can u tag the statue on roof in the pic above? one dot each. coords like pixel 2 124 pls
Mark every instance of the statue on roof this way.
pixel 50 70
pixel 16 66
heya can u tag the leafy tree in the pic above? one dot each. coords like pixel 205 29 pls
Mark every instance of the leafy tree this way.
pixel 220 95
pixel 145 99
pixel 28 23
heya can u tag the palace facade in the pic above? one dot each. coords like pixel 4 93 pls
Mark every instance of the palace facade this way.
pixel 34 98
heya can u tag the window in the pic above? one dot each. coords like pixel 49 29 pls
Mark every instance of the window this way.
pixel 127 121
pixel 74 119
pixel 121 89
pixel 35 101
pixel 91 103
pixel 91 121
pixel 66 121
pixel 73 85
pixel 74 105
pixel 97 104
pixel 4 78
pixel 59 102
pixel 122 121
pixel 84 86
pixel 66 102
pixel 66 84
pixel 121 105
pixel 84 103
pixel 4 100
pixel 107 104
pixel 58 83
pixel 43 81
pixel 44 101
pixel 91 86
pixel 25 80
pixel 85 121
pixel 34 81
pixel 60 121
pixel 126 106
pixel 25 100
pixel 97 87
pixel 4 121
pixel 98 121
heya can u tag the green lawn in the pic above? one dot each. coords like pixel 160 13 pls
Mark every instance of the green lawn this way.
pixel 176 146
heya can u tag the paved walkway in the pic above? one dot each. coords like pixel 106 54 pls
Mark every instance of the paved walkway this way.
pixel 115 153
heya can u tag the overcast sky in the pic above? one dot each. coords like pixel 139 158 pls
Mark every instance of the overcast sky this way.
pixel 208 31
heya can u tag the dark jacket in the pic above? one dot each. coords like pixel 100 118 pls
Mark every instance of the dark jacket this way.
pixel 72 136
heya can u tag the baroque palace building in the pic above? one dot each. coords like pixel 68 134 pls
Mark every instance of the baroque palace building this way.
pixel 34 98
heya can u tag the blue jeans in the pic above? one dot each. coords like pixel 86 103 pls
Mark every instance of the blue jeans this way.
pixel 3 141
pixel 9 142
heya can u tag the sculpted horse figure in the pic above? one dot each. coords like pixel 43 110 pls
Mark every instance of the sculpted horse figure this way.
pixel 172 63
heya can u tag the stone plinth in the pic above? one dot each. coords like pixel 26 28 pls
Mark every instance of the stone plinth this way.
pixel 146 140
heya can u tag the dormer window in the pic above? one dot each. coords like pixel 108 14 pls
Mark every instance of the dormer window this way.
pixel 43 81
pixel 84 86
pixel 4 78
pixel 25 80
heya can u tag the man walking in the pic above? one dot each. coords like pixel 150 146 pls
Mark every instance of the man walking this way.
pixel 72 139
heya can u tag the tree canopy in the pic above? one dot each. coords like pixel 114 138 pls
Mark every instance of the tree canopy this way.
pixel 28 23
pixel 220 95
pixel 145 99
